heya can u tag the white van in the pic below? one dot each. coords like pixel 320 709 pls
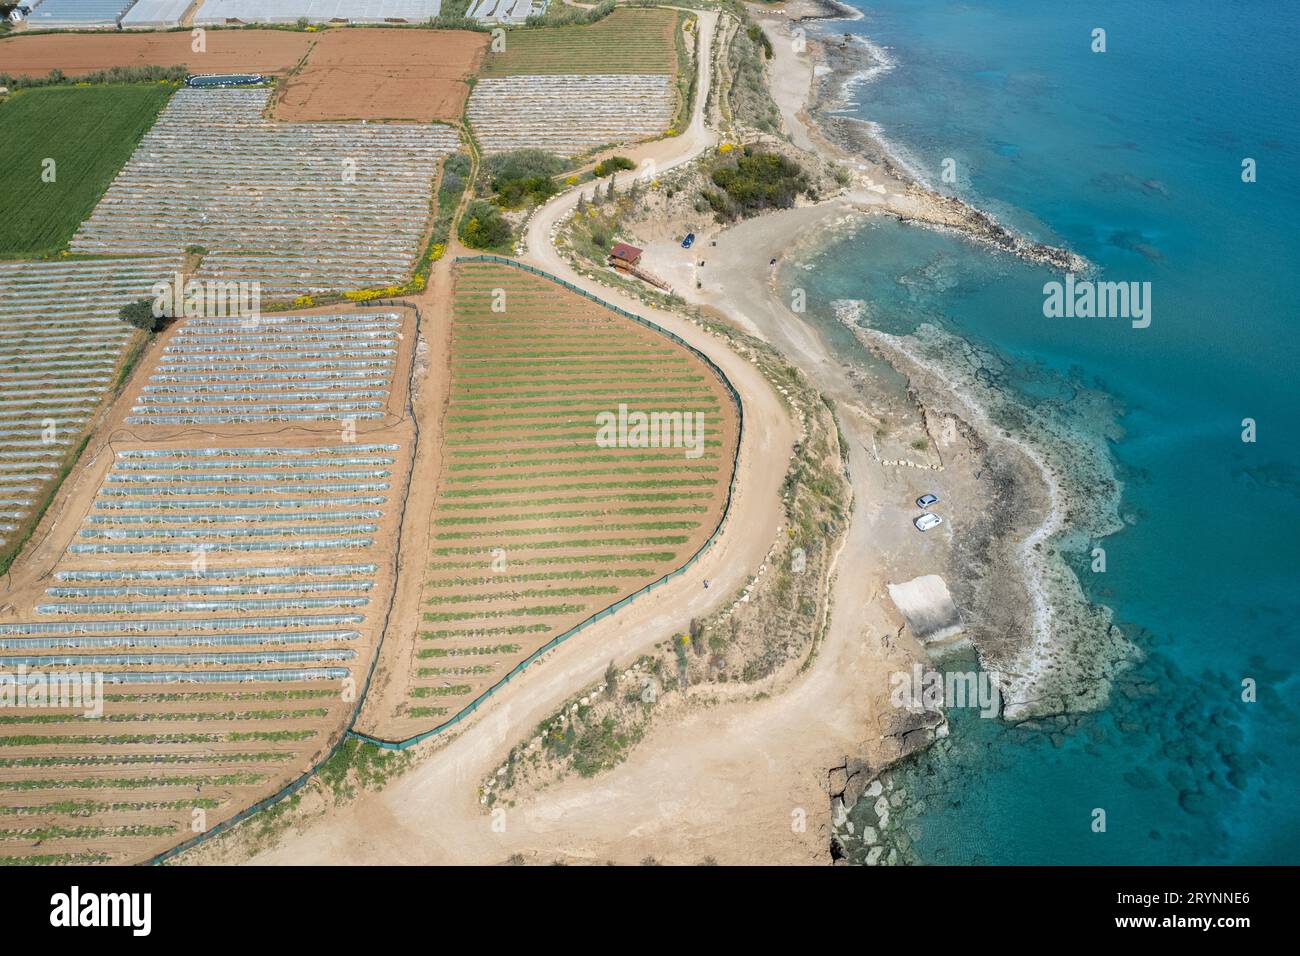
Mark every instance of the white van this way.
pixel 927 521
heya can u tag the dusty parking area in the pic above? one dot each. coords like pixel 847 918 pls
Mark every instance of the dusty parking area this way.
pixel 383 74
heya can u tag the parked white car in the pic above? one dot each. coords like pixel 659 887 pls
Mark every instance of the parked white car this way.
pixel 927 521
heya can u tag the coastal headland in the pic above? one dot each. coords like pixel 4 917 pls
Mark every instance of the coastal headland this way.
pixel 768 771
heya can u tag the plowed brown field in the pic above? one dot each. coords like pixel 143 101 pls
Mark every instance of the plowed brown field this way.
pixel 380 74
pixel 258 51
pixel 414 75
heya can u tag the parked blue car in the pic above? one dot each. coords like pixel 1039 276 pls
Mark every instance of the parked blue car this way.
pixel 689 240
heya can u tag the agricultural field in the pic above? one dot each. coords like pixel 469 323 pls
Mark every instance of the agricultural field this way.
pixel 88 133
pixel 417 76
pixel 216 371
pixel 537 524
pixel 568 115
pixel 296 207
pixel 225 51
pixel 572 89
pixel 228 581
pixel 61 352
pixel 629 40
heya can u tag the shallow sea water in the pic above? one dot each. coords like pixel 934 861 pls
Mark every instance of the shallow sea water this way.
pixel 1132 158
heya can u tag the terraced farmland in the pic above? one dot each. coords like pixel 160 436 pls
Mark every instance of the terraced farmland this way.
pixel 230 588
pixel 568 115
pixel 629 40
pixel 62 345
pixel 297 207
pixel 537 525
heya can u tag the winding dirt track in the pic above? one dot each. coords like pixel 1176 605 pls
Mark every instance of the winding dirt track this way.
pixel 432 814
pixel 742 782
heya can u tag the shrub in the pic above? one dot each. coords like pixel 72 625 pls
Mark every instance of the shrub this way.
pixel 557 15
pixel 524 164
pixel 524 176
pixel 116 74
pixel 613 165
pixel 454 171
pixel 483 226
pixel 512 193
pixel 754 181
pixel 140 314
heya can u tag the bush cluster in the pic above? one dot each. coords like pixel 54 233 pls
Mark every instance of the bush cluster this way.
pixel 753 181
pixel 612 165
pixel 483 226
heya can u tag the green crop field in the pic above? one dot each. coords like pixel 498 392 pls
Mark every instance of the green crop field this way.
pixel 539 521
pixel 89 132
pixel 629 40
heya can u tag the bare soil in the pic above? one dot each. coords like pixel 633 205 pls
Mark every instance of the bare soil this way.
pixel 413 75
pixel 369 74
pixel 227 51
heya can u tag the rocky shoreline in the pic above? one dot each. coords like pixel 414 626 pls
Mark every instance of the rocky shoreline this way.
pixel 827 10
pixel 842 63
pixel 1057 653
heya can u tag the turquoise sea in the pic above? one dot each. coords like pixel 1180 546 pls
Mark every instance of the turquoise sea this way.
pixel 1133 158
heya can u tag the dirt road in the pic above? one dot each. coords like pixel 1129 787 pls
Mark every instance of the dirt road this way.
pixel 741 782
pixel 432 814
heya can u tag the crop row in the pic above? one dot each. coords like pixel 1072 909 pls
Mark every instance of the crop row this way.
pixel 510 566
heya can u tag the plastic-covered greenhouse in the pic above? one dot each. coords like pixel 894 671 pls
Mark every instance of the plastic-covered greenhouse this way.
pixel 195 607
pixel 201 657
pixel 178 590
pixel 176 574
pixel 225 677
pixel 238 517
pixel 194 640
pixel 243 503
pixel 246 489
pixel 124 533
pixel 202 624
pixel 250 452
pixel 156 465
pixel 162 547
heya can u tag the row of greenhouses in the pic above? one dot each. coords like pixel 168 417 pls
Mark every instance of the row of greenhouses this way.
pixel 293 207
pixel 161 640
pixel 61 342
